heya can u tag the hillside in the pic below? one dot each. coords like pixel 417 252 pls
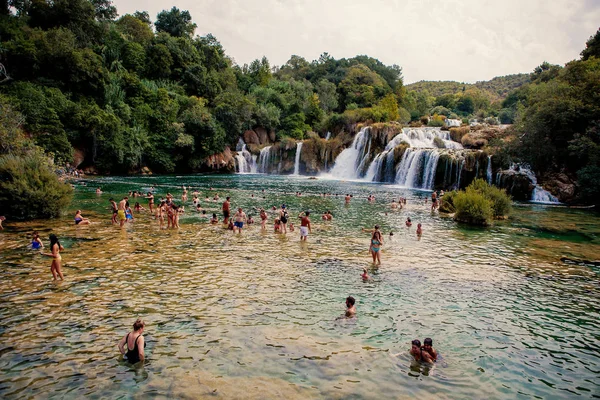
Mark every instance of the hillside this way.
pixel 496 88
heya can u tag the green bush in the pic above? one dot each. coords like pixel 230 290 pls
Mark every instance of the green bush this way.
pixel 472 207
pixel 29 188
pixel 501 202
pixel 447 202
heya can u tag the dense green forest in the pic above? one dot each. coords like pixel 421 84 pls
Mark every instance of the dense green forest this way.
pixel 127 93
pixel 118 93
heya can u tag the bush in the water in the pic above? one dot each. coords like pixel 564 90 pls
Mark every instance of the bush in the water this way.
pixel 28 186
pixel 479 204
pixel 472 207
pixel 501 202
pixel 447 202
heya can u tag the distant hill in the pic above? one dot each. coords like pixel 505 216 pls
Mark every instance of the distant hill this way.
pixel 497 88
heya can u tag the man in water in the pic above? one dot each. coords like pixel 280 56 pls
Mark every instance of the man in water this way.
pixel 417 352
pixel 240 218
pixel 304 225
pixel 350 308
pixel 226 205
pixel 394 205
pixel 428 347
pixel 115 210
pixel 347 199
pixel 121 211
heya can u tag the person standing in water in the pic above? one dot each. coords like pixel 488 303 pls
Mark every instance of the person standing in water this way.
pixel 283 218
pixel 376 243
pixel 263 218
pixel 115 210
pixel 134 342
pixel 55 248
pixel 240 218
pixel 304 225
pixel 121 211
pixel 419 230
pixel 150 198
pixel 226 206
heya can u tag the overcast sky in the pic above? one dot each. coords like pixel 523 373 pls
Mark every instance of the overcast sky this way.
pixel 462 40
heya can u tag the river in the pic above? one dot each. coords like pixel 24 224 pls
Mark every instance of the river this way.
pixel 255 315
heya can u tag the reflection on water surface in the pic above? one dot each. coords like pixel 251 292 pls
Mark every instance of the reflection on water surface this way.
pixel 254 315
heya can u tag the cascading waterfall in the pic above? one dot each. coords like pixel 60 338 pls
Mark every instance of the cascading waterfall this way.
pixel 350 162
pixel 539 194
pixel 264 159
pixel 297 160
pixel 328 136
pixel 245 162
pixel 489 170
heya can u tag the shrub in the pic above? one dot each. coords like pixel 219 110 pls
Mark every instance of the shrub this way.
pixel 472 207
pixel 436 120
pixel 501 202
pixel 456 133
pixel 29 188
pixel 447 202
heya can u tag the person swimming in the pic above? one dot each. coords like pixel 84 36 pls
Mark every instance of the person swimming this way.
pixel 350 307
pixel 428 347
pixel 36 242
pixel 214 220
pixel 365 275
pixel 408 222
pixel 417 352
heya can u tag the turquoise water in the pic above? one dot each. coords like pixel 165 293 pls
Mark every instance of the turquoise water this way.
pixel 254 315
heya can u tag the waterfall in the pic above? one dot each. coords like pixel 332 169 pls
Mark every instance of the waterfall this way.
pixel 452 122
pixel 328 136
pixel 349 164
pixel 417 168
pixel 325 167
pixel 489 170
pixel 460 168
pixel 539 194
pixel 264 159
pixel 253 166
pixel 245 162
pixel 297 160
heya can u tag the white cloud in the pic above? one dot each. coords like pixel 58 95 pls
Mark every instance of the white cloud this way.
pixel 465 40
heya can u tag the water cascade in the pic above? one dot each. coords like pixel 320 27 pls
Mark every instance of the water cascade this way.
pixel 350 163
pixel 264 159
pixel 328 136
pixel 489 170
pixel 244 161
pixel 418 165
pixel 506 179
pixel 297 160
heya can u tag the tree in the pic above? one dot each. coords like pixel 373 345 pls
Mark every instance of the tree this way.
pixel 327 95
pixel 592 47
pixel 135 29
pixel 105 11
pixel 362 86
pixel 175 22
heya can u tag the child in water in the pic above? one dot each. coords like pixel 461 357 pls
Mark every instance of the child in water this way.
pixel 408 222
pixel 291 227
pixel 214 220
pixel 419 230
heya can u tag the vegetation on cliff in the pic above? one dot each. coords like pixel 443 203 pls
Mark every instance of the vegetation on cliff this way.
pixel 29 188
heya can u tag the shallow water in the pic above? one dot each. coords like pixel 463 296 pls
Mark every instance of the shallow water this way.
pixel 254 315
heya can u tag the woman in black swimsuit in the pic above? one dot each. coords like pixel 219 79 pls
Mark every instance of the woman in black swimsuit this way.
pixel 134 343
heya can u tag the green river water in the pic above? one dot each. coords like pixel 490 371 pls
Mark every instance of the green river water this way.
pixel 255 315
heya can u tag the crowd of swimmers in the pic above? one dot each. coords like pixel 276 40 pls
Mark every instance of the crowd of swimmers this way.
pixel 132 345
